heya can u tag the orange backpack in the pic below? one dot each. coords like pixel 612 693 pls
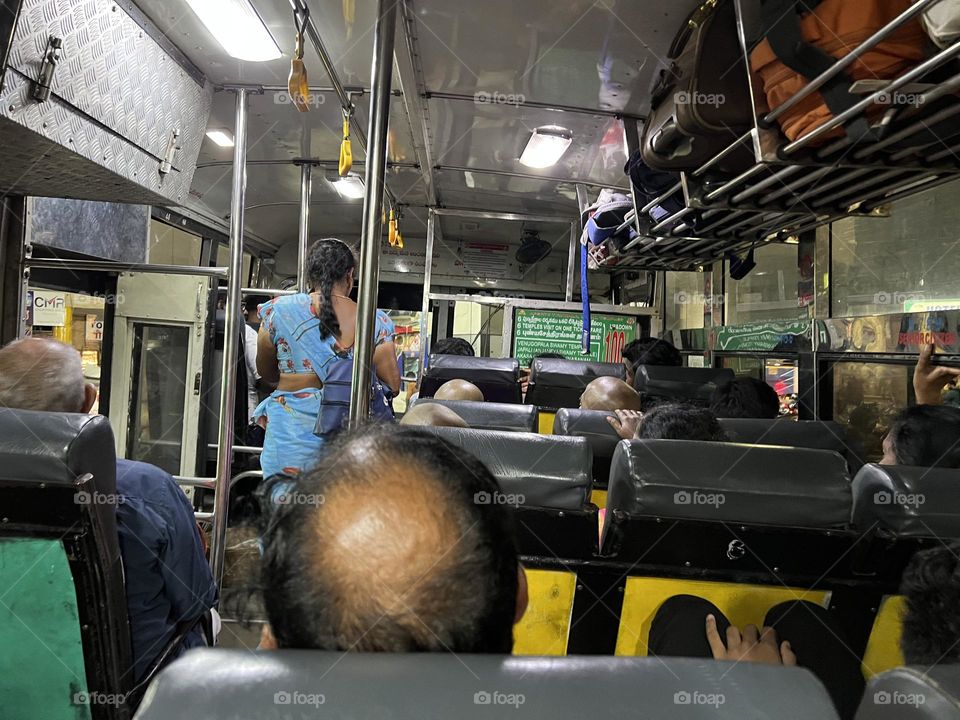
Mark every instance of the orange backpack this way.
pixel 831 30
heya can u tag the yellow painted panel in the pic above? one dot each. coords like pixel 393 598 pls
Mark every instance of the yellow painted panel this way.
pixel 545 422
pixel 545 625
pixel 599 498
pixel 742 604
pixel 883 647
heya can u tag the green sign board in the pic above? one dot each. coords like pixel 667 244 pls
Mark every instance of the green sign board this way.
pixel 758 337
pixel 539 331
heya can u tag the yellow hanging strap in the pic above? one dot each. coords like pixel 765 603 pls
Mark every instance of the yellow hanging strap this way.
pixel 392 229
pixel 349 16
pixel 399 234
pixel 297 84
pixel 346 152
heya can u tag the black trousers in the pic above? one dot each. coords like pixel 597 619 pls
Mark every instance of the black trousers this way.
pixel 679 630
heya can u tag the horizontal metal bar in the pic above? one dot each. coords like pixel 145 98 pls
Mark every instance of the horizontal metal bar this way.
pixel 912 129
pixel 932 183
pixel 476 98
pixel 489 215
pixel 109 266
pixel 203 515
pixel 874 179
pixel 814 174
pixel 546 304
pixel 240 448
pixel 350 89
pixel 196 481
pixel 764 184
pixel 266 291
pixel 952 150
pixel 841 118
pixel 527 176
pixel 720 156
pixel 671 219
pixel 848 59
pixel 296 162
pixel 660 198
pixel 727 186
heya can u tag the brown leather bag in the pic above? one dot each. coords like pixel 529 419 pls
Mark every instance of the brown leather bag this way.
pixel 797 47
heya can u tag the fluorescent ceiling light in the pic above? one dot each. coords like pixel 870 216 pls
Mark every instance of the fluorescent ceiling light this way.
pixel 546 146
pixel 349 187
pixel 238 28
pixel 223 138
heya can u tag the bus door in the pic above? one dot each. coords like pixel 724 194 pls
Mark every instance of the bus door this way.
pixel 156 380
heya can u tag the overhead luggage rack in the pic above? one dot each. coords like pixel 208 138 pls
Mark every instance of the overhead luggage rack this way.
pixel 796 186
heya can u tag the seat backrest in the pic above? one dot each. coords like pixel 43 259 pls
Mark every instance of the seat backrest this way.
pixel 907 502
pixel 913 693
pixel 63 620
pixel 497 378
pixel 814 434
pixel 556 383
pixel 730 482
pixel 492 415
pixel 679 383
pixel 239 685
pixel 592 425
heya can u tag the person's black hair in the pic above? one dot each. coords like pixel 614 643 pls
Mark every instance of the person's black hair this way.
pixel 927 435
pixel 680 421
pixel 466 602
pixel 652 351
pixel 931 618
pixel 745 397
pixel 329 262
pixel 546 355
pixel 452 346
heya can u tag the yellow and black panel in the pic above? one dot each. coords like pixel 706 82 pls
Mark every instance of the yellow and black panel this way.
pixel 545 625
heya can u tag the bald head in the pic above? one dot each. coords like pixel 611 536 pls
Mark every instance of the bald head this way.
pixel 384 547
pixel 434 415
pixel 609 393
pixel 459 390
pixel 43 374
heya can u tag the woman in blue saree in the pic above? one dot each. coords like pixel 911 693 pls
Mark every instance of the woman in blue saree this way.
pixel 301 338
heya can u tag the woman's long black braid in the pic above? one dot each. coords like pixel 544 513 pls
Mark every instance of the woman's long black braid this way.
pixel 329 262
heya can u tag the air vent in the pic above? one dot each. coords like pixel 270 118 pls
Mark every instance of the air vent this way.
pixel 470 226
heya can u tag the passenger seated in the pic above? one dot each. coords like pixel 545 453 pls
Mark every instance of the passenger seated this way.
pixel 390 550
pixel 167 579
pixel 452 346
pixel 924 435
pixel 459 390
pixel 745 397
pixel 669 421
pixel 930 379
pixel 649 351
pixel 610 394
pixel 434 415
pixel 931 589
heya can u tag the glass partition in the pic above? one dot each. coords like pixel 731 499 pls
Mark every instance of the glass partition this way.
pixel 769 292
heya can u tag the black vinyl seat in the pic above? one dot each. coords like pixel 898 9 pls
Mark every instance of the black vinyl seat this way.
pixel 491 415
pixel 497 378
pixel 64 619
pixel 662 382
pixel 240 685
pixel 813 434
pixel 592 425
pixel 546 479
pixel 911 693
pixel 556 383
pixel 740 512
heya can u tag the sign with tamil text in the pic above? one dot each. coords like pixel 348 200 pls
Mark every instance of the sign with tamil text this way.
pixel 539 331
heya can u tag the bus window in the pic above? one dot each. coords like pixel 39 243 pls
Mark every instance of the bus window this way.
pixel 684 300
pixel 767 293
pixel 866 397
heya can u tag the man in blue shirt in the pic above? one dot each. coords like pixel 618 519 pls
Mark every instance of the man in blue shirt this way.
pixel 167 578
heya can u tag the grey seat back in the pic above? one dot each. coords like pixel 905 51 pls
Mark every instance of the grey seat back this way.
pixel 220 684
pixel 491 415
pixel 593 426
pixel 59 497
pixel 814 434
pixel 497 378
pixel 907 502
pixel 556 383
pixel 679 383
pixel 912 693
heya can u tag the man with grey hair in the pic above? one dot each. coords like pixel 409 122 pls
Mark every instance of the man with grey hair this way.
pixel 167 579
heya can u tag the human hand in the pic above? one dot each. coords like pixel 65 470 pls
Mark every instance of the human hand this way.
pixel 749 646
pixel 625 423
pixel 930 379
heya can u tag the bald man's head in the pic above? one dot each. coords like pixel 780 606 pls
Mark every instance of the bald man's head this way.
pixel 432 414
pixel 385 547
pixel 43 374
pixel 609 393
pixel 459 390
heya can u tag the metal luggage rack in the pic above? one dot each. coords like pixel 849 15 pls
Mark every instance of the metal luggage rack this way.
pixel 794 187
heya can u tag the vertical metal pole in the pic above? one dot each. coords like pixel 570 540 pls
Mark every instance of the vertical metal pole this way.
pixel 231 339
pixel 572 259
pixel 381 77
pixel 425 306
pixel 303 238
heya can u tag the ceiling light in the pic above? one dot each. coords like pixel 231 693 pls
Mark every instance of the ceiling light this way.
pixel 223 138
pixel 349 187
pixel 238 28
pixel 546 146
